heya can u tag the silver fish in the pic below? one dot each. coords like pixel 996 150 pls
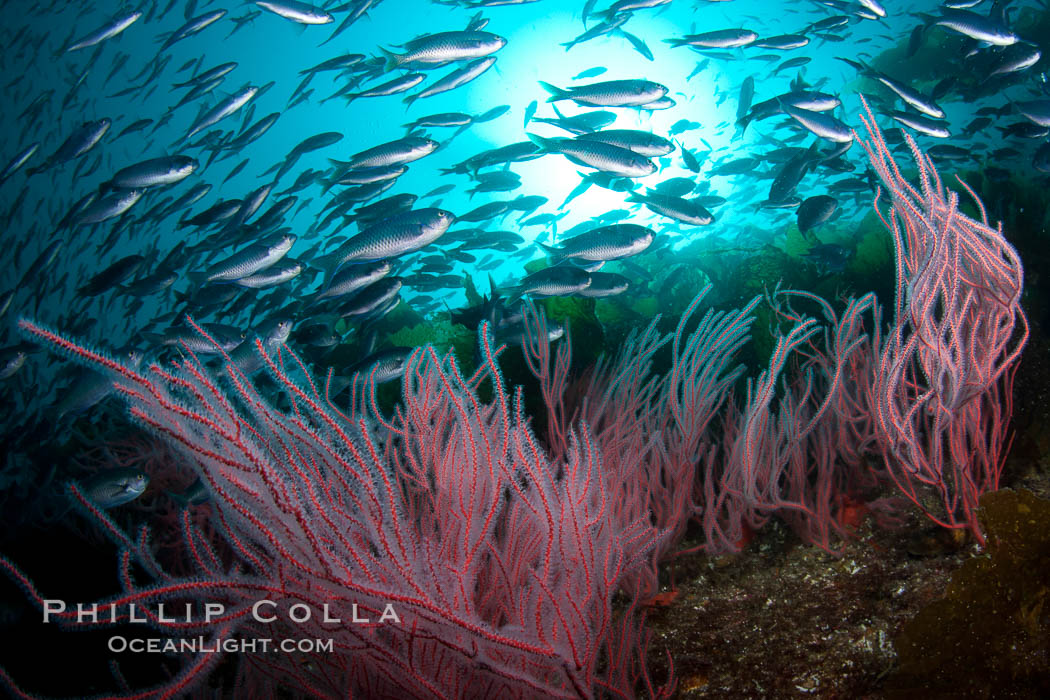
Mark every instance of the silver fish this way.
pixel 90 387
pixel 823 125
pixel 193 26
pixel 352 278
pixel 11 360
pixel 912 96
pixel 783 42
pixel 444 47
pixel 108 207
pixel 391 87
pixel 108 31
pixel 403 150
pixel 688 211
pixel 873 6
pixel 82 140
pixel 1037 111
pixel 364 176
pixel 278 274
pixel 166 170
pixel 208 75
pixel 605 284
pixel 299 12
pixel 907 93
pixel 383 366
pixel 271 334
pixel 923 124
pixel 974 26
pixel 560 280
pixel 597 154
pixel 222 338
pixel 400 234
pixel 371 298
pixel 18 161
pixel 455 79
pixel 222 110
pixel 250 260
pixel 813 101
pixel 605 243
pixel 641 142
pixel 1016 58
pixel 114 487
pixel 609 93
pixel 719 39
pixel 814 211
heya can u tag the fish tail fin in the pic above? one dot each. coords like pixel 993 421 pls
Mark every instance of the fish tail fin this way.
pixel 152 338
pixel 329 264
pixel 545 145
pixel 391 60
pixel 555 254
pixel 513 295
pixel 556 92
pixel 675 43
pixel 494 291
pixel 197 278
pixel 409 99
pixel 918 36
pixel 856 65
pixel 178 498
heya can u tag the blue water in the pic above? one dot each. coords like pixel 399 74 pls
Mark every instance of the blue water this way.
pixel 274 49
